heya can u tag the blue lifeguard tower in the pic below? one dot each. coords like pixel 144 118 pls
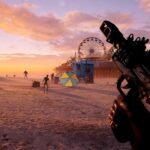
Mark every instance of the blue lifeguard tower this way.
pixel 84 69
pixel 90 50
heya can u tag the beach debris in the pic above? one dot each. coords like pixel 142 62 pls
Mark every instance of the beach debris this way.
pixel 36 84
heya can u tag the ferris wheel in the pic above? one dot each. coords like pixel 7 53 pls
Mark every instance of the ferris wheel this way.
pixel 91 48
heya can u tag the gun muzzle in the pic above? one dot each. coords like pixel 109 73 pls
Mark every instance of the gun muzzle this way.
pixel 111 32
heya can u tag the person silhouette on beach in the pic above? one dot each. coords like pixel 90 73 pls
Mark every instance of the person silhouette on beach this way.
pixel 25 74
pixel 45 83
pixel 52 77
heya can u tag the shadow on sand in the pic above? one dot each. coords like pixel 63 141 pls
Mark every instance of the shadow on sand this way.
pixel 100 91
pixel 64 136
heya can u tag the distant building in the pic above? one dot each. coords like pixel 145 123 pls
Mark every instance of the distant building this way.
pixel 102 68
pixel 105 69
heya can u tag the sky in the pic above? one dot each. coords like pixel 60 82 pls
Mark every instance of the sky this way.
pixel 38 35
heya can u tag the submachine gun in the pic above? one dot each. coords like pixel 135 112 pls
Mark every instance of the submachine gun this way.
pixel 130 113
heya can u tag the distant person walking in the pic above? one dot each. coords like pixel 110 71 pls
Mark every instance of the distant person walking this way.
pixel 45 83
pixel 52 77
pixel 25 74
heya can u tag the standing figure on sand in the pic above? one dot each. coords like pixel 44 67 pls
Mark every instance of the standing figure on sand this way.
pixel 45 83
pixel 52 77
pixel 25 74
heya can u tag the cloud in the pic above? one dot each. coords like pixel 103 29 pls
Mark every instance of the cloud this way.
pixel 76 20
pixel 147 26
pixel 69 45
pixel 63 34
pixel 85 25
pixel 28 56
pixel 27 5
pixel 21 21
pixel 145 4
pixel 122 20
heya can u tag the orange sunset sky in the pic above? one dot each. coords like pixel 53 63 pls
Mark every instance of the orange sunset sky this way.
pixel 38 35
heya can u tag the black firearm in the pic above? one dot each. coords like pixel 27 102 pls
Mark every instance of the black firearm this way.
pixel 130 113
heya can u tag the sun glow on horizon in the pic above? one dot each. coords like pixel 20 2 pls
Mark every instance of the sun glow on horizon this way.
pixel 18 69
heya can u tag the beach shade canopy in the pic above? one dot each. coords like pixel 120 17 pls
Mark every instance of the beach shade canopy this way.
pixel 69 79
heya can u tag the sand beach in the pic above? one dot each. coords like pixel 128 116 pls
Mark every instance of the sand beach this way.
pixel 63 119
